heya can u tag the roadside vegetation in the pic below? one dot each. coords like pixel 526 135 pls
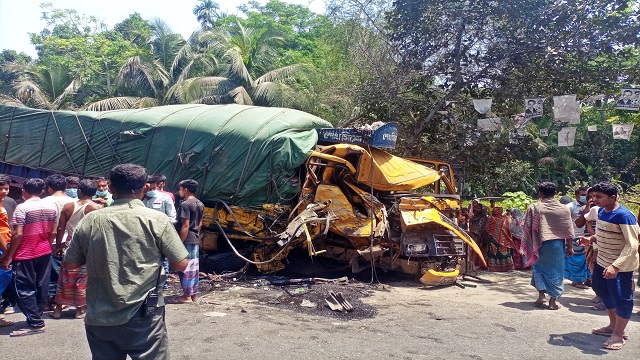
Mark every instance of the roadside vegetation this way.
pixel 416 62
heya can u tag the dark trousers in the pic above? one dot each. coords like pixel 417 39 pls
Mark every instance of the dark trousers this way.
pixel 31 284
pixel 9 295
pixel 142 337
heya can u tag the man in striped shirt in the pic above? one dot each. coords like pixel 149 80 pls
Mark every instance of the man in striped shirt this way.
pixel 617 238
pixel 34 228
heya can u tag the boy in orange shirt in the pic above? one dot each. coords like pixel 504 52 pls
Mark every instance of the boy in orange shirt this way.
pixel 5 239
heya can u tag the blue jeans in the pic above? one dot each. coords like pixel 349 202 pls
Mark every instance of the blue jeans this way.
pixel 165 265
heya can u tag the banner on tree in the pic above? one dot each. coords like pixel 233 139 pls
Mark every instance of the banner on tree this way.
pixel 622 131
pixel 490 124
pixel 533 108
pixel 566 136
pixel 566 109
pixel 629 99
pixel 516 136
pixel 483 106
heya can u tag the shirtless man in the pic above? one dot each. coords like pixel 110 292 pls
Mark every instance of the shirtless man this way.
pixel 72 284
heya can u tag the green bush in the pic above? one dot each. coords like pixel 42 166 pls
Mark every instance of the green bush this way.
pixel 517 199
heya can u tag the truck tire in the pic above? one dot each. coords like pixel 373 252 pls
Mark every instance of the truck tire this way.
pixel 223 262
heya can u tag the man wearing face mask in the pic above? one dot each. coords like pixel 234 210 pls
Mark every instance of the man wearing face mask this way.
pixel 72 187
pixel 158 200
pixel 103 196
pixel 575 266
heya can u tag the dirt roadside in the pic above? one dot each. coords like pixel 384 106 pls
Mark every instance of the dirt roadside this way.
pixel 398 320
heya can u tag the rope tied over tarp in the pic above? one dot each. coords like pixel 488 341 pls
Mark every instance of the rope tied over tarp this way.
pixel 64 145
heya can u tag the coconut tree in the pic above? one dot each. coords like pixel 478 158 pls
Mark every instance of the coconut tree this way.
pixel 245 74
pixel 144 82
pixel 230 65
pixel 207 12
pixel 40 86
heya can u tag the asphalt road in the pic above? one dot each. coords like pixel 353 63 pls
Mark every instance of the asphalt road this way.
pixel 250 321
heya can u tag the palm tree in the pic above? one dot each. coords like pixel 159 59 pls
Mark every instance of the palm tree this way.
pixel 41 87
pixel 143 82
pixel 207 13
pixel 246 74
pixel 221 66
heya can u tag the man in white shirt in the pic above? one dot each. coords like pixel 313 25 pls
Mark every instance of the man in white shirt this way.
pixel 157 200
pixel 160 201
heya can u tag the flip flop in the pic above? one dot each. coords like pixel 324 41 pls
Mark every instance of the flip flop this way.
pixel 603 331
pixel 554 307
pixel 25 332
pixel 613 345
pixel 4 322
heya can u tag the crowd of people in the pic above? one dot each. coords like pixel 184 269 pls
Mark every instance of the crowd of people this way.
pixel 591 241
pixel 103 247
pixel 498 233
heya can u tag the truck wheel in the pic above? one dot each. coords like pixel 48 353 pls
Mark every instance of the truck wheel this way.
pixel 223 262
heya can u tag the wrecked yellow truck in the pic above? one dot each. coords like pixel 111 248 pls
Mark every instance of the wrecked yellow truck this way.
pixel 272 180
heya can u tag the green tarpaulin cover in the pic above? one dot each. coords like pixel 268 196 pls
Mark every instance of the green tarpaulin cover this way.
pixel 244 155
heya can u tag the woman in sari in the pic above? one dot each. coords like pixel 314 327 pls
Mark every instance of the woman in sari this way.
pixel 517 220
pixel 547 227
pixel 479 217
pixel 500 242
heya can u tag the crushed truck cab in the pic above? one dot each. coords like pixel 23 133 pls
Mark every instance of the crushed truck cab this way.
pixel 370 208
pixel 378 209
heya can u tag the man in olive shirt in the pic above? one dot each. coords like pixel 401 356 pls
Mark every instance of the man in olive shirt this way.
pixel 122 246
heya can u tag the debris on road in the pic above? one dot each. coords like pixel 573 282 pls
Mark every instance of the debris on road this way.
pixel 308 304
pixel 337 302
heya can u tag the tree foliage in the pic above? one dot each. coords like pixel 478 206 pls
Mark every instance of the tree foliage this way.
pixel 416 62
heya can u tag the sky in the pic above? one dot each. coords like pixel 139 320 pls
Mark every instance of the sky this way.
pixel 18 18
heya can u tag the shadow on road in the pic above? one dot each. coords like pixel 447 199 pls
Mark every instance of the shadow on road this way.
pixel 522 306
pixel 579 305
pixel 587 343
pixel 6 330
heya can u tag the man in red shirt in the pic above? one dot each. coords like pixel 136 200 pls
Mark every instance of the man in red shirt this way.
pixel 34 228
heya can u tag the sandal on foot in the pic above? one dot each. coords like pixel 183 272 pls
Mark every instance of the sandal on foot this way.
pixel 613 345
pixel 5 322
pixel 25 332
pixel 604 331
pixel 580 286
pixel 553 307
